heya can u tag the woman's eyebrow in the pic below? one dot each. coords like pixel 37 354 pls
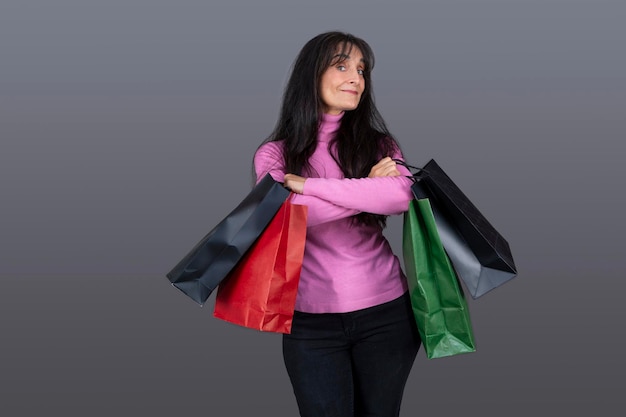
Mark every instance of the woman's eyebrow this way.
pixel 343 57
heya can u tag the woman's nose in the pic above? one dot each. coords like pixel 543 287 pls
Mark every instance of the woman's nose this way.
pixel 355 77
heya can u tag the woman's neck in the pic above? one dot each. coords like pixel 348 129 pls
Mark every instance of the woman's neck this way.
pixel 329 124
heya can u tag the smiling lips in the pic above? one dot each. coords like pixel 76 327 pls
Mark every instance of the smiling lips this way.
pixel 351 92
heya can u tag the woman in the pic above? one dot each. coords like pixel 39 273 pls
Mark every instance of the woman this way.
pixel 353 339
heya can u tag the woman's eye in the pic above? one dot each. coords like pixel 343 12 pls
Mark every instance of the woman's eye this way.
pixel 360 71
pixel 341 67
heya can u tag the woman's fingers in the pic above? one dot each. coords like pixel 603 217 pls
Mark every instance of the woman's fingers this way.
pixel 294 183
pixel 386 167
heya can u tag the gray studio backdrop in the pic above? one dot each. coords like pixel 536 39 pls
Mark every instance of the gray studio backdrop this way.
pixel 127 130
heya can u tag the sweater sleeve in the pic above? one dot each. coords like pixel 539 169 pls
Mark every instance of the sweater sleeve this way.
pixel 379 195
pixel 269 159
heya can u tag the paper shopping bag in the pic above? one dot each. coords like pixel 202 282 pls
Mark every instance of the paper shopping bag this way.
pixel 260 293
pixel 217 253
pixel 440 309
pixel 480 255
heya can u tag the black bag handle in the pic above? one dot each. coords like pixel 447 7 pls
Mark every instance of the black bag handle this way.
pixel 418 188
pixel 413 177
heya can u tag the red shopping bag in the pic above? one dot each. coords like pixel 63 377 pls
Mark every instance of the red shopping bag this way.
pixel 260 292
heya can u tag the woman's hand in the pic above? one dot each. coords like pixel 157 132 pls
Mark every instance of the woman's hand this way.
pixel 294 183
pixel 386 167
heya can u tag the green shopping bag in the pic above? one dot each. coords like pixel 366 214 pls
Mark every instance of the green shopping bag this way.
pixel 439 307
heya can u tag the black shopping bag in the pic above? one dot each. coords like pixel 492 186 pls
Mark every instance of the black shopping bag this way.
pixel 480 255
pixel 211 259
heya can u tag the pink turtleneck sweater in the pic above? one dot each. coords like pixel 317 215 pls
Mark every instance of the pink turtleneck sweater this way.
pixel 346 266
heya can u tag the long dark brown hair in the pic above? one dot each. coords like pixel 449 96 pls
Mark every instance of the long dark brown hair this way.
pixel 362 139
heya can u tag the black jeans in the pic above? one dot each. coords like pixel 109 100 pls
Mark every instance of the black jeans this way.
pixel 352 364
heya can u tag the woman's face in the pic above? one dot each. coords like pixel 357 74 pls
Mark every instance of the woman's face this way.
pixel 342 83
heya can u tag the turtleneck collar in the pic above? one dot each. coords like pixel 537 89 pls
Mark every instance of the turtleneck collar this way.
pixel 329 125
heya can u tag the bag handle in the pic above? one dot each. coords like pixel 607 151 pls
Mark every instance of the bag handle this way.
pixel 413 177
